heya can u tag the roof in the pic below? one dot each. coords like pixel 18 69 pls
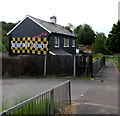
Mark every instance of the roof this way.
pixel 59 52
pixel 48 26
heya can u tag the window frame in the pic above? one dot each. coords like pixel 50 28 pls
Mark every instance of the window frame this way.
pixel 56 42
pixel 73 43
pixel 68 42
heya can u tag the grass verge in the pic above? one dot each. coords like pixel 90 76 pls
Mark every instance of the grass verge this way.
pixel 40 106
pixel 106 58
pixel 115 60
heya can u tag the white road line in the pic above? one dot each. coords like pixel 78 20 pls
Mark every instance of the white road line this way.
pixel 98 105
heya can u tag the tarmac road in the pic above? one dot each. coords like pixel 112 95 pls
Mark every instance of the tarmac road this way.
pixel 97 97
pixel 103 97
pixel 14 89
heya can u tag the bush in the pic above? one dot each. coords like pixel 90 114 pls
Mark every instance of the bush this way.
pixel 97 56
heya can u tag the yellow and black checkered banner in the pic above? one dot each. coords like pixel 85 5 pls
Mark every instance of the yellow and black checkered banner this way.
pixel 29 45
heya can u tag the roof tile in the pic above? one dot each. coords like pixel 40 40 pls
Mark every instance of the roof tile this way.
pixel 55 28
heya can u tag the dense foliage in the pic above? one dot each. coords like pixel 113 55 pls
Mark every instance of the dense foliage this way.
pixel 98 46
pixel 97 56
pixel 6 27
pixel 85 34
pixel 113 40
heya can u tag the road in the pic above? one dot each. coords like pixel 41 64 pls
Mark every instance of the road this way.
pixel 98 97
pixel 103 97
pixel 15 89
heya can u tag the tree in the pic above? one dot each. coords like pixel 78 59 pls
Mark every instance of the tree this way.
pixel 113 40
pixel 70 27
pixel 98 46
pixel 2 48
pixel 85 34
pixel 6 27
pixel 5 41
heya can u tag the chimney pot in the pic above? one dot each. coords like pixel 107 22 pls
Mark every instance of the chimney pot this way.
pixel 53 19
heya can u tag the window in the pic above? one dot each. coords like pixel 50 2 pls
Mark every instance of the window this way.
pixel 66 42
pixel 73 43
pixel 56 42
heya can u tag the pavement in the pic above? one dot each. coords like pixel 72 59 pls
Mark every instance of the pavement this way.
pixel 102 98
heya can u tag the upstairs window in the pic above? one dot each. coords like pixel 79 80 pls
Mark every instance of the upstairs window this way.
pixel 66 42
pixel 56 42
pixel 73 43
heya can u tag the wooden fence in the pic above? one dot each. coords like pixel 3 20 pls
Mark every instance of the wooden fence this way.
pixel 55 65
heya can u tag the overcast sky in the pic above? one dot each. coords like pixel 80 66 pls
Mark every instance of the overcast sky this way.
pixel 99 14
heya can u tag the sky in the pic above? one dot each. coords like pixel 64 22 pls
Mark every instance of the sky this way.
pixel 99 14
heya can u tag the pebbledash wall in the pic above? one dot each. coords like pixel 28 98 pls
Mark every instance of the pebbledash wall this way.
pixel 56 66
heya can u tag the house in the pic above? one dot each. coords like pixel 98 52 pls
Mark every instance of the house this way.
pixel 35 36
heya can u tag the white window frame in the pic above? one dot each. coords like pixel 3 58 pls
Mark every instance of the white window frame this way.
pixel 66 45
pixel 73 43
pixel 56 42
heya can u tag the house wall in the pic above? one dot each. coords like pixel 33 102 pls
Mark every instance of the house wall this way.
pixel 28 28
pixel 70 49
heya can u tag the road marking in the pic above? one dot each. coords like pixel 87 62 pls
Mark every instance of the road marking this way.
pixel 99 105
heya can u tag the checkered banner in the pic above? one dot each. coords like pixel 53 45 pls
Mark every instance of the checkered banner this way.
pixel 29 45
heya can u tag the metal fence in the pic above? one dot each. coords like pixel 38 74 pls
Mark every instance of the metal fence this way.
pixel 118 60
pixel 98 64
pixel 49 102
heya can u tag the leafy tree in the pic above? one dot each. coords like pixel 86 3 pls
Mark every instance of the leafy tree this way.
pixel 2 47
pixel 85 34
pixel 5 41
pixel 98 46
pixel 70 27
pixel 113 40
pixel 7 26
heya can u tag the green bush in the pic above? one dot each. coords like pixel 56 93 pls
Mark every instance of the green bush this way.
pixel 97 56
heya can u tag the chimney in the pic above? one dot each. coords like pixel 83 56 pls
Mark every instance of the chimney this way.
pixel 53 19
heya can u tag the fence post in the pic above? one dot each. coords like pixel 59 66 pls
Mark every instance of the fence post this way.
pixel 45 62
pixel 103 60
pixel 91 65
pixel 69 92
pixel 52 102
pixel 74 66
